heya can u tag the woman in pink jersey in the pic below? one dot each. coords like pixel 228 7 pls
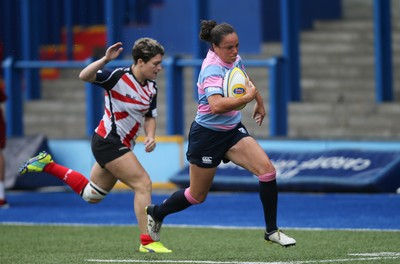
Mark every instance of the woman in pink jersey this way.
pixel 130 103
pixel 217 134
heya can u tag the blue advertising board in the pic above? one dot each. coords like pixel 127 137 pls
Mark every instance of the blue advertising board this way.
pixel 334 170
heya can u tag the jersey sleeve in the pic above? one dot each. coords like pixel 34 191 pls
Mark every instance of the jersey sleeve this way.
pixel 213 85
pixel 107 78
pixel 213 80
pixel 153 107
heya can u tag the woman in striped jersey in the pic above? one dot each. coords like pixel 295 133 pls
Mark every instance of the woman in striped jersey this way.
pixel 130 103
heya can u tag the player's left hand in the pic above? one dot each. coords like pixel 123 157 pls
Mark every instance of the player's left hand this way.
pixel 259 113
pixel 150 144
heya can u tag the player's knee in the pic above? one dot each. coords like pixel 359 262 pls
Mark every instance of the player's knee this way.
pixel 191 199
pixel 93 193
pixel 146 184
pixel 267 177
pixel 140 186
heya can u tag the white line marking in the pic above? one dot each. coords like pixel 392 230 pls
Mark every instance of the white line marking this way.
pixel 386 254
pixel 183 261
pixel 367 257
pixel 202 226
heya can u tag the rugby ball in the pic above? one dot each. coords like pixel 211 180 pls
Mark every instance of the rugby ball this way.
pixel 234 84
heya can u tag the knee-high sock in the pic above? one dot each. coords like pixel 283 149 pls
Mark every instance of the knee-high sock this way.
pixel 178 201
pixel 269 200
pixel 73 179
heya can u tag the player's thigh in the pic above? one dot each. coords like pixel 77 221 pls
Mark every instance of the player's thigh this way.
pixel 200 181
pixel 102 177
pixel 248 154
pixel 128 170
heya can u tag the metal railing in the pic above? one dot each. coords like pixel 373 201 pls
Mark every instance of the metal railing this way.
pixel 278 98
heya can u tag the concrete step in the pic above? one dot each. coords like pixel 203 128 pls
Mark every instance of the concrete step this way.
pixel 359 109
pixel 350 37
pixel 352 25
pixel 64 89
pixel 55 119
pixel 343 133
pixel 333 83
pixel 349 120
pixel 365 71
pixel 338 96
pixel 359 9
pixel 321 59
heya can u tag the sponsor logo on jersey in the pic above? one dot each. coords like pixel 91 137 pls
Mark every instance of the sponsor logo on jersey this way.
pixel 130 96
pixel 213 89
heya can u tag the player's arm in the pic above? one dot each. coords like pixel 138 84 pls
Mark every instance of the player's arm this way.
pixel 220 104
pixel 88 74
pixel 259 109
pixel 150 132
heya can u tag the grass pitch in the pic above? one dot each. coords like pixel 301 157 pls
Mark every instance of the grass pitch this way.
pixel 119 244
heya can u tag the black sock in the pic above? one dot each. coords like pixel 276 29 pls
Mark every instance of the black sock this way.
pixel 175 203
pixel 269 200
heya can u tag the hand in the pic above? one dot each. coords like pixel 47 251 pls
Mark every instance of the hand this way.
pixel 251 91
pixel 113 51
pixel 259 113
pixel 150 144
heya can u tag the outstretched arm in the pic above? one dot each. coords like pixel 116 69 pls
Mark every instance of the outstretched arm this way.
pixel 88 74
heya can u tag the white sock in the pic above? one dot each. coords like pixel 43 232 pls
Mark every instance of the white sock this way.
pixel 2 193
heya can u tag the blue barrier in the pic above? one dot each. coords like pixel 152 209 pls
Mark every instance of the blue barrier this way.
pixel 174 87
pixel 383 51
pixel 302 170
pixel 290 39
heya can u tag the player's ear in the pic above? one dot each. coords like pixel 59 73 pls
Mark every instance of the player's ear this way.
pixel 139 62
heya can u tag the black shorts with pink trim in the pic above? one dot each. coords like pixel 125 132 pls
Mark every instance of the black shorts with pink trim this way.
pixel 207 147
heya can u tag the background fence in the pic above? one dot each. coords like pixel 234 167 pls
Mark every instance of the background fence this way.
pixel 35 32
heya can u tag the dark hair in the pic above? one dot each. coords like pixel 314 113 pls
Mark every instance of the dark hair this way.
pixel 213 33
pixel 145 49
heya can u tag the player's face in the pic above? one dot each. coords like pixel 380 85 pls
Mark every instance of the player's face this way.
pixel 228 49
pixel 153 67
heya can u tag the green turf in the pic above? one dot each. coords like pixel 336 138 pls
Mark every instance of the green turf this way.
pixel 77 244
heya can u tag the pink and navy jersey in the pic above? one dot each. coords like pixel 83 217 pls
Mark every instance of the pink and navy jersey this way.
pixel 127 102
pixel 210 81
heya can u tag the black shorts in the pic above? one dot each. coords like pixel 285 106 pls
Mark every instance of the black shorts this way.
pixel 207 147
pixel 107 149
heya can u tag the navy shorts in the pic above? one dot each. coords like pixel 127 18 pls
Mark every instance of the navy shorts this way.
pixel 207 147
pixel 107 149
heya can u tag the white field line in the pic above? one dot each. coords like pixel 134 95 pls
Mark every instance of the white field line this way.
pixel 368 257
pixel 200 226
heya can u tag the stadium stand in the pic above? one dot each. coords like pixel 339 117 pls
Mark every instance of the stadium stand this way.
pixel 337 80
